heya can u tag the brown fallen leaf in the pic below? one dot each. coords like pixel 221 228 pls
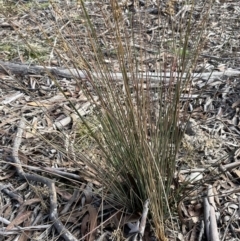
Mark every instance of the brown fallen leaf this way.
pixel 236 103
pixel 64 194
pixel 32 201
pixel 89 223
pixel 93 222
pixel 84 225
pixel 38 104
pixel 25 235
pixel 19 219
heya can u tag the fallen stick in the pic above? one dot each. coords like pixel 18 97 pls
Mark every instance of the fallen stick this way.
pixel 24 69
pixel 37 178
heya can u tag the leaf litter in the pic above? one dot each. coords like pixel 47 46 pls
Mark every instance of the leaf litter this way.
pixel 210 145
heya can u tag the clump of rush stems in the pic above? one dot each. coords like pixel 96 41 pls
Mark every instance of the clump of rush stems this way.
pixel 138 114
pixel 139 117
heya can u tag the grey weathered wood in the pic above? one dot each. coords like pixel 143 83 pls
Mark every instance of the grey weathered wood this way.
pixel 24 69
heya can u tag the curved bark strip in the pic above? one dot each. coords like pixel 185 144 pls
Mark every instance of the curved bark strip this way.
pixel 24 69
pixel 37 178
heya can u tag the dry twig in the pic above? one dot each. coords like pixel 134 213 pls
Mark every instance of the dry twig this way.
pixel 36 178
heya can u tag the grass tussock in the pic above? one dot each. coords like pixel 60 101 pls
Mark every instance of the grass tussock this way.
pixel 140 120
pixel 138 116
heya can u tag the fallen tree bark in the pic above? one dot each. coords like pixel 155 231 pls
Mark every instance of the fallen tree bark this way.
pixel 24 69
